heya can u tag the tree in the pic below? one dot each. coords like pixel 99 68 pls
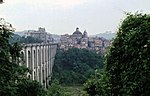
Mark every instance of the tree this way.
pixel 12 76
pixel 14 38
pixel 97 84
pixel 1 1
pixel 55 89
pixel 7 75
pixel 128 60
pixel 23 39
pixel 74 66
pixel 29 39
pixel 30 88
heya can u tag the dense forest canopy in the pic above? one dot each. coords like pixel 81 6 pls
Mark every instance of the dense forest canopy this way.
pixel 74 66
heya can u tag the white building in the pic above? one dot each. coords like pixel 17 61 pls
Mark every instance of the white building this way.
pixel 40 34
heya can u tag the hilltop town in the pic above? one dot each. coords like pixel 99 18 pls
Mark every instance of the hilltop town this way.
pixel 78 39
pixel 82 40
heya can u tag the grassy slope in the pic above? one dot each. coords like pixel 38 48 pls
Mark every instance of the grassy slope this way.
pixel 74 91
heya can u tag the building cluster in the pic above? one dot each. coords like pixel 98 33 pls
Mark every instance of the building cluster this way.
pixel 79 40
pixel 40 34
pixel 98 44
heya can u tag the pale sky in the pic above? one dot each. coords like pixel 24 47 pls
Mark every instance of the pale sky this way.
pixel 63 16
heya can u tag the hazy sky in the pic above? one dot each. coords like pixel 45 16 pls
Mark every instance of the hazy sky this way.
pixel 63 16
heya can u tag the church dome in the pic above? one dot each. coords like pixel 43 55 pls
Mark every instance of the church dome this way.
pixel 77 32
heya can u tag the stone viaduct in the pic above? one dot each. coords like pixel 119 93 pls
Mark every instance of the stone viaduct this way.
pixel 39 58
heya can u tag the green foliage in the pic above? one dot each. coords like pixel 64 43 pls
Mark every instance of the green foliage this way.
pixel 128 60
pixel 23 39
pixel 55 89
pixel 74 91
pixel 15 38
pixel 7 76
pixel 30 39
pixel 13 78
pixel 98 84
pixel 28 87
pixel 75 65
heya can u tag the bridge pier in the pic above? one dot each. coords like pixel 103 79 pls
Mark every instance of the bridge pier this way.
pixel 39 58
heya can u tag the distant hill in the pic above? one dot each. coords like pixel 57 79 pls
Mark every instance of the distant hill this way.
pixel 54 36
pixel 107 35
pixel 20 33
pixel 15 38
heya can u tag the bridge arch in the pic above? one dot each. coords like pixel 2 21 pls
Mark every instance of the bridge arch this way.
pixel 39 58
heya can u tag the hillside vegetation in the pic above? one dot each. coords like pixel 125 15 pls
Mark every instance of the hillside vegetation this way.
pixel 127 62
pixel 74 67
